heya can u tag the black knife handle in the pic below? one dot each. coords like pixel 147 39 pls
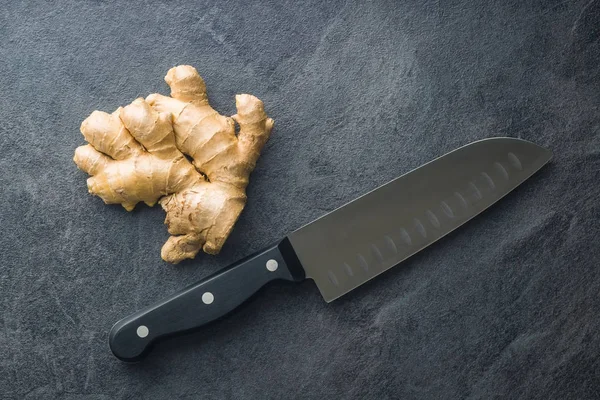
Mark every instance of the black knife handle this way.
pixel 203 302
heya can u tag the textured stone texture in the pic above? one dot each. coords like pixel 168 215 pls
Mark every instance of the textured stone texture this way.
pixel 507 307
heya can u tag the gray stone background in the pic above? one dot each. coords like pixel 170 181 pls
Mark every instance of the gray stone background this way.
pixel 506 307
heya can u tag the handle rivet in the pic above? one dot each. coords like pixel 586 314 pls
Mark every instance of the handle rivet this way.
pixel 142 331
pixel 272 265
pixel 208 298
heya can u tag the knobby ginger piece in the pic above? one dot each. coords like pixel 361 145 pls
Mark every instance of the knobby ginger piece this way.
pixel 137 154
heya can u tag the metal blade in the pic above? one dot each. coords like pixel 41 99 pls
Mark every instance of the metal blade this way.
pixel 360 240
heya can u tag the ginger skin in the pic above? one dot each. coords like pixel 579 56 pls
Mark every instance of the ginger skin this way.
pixel 137 154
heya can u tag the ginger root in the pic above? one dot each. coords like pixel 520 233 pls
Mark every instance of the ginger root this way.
pixel 137 154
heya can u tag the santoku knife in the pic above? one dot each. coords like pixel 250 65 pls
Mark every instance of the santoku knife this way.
pixel 352 244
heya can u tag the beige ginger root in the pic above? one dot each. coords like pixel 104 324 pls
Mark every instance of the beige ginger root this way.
pixel 137 154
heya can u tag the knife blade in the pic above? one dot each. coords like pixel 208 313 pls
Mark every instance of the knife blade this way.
pixel 350 245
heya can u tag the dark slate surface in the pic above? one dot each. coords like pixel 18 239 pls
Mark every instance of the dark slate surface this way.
pixel 507 307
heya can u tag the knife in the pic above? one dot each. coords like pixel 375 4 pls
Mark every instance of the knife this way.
pixel 350 245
